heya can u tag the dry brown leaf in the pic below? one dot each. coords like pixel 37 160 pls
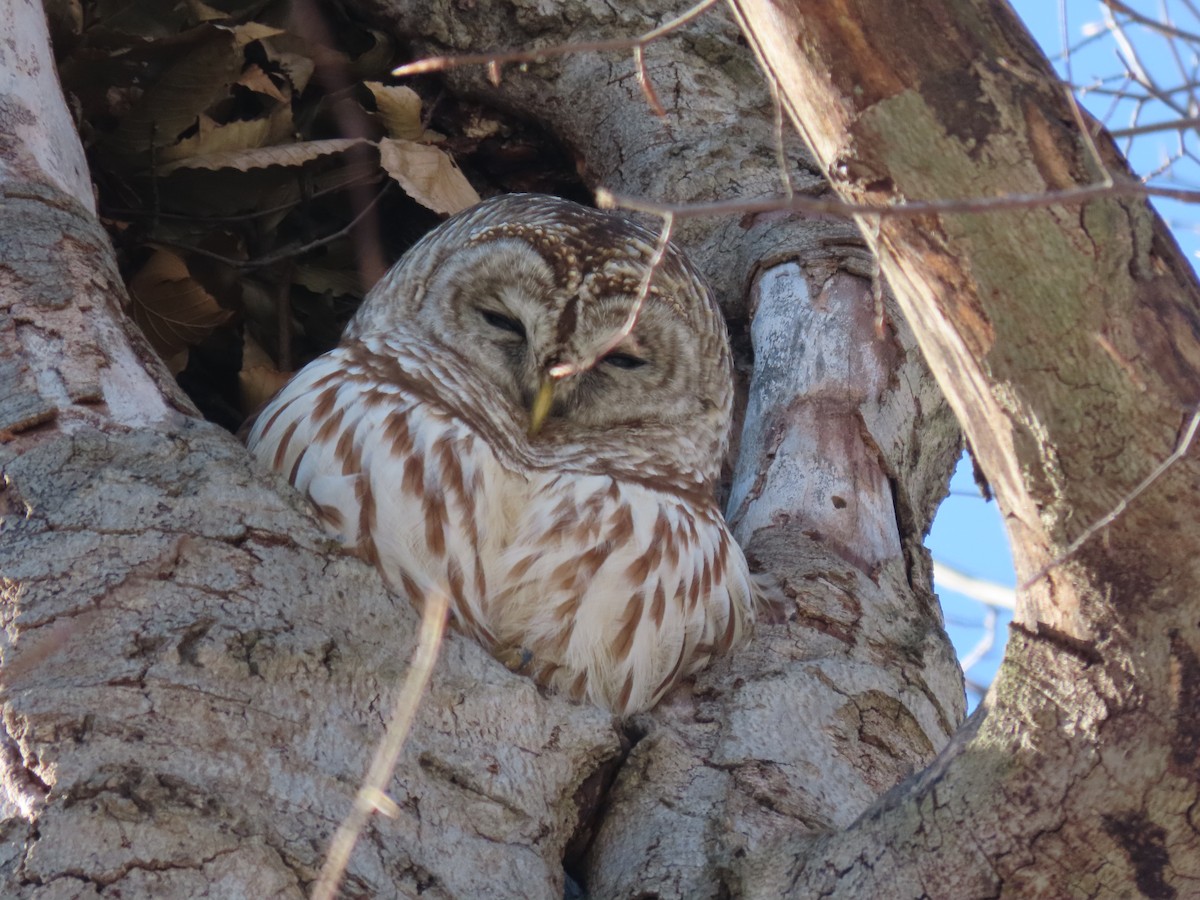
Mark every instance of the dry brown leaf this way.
pixel 214 139
pixel 298 68
pixel 207 67
pixel 262 157
pixel 173 104
pixel 259 380
pixel 282 128
pixel 260 82
pixel 399 109
pixel 171 307
pixel 298 58
pixel 427 174
pixel 202 12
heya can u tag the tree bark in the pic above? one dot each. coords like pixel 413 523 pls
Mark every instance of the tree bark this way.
pixel 1066 338
pixel 194 678
pixel 844 454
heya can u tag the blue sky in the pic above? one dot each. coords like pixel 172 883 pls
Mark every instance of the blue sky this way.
pixel 968 533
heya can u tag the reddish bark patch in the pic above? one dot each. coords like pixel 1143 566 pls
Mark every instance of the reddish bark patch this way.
pixel 1145 845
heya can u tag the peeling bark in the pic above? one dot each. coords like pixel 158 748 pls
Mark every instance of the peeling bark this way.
pixel 1067 338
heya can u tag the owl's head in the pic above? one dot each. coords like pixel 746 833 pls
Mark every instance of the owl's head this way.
pixel 532 292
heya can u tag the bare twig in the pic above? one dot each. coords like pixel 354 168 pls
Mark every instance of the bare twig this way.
pixel 1086 41
pixel 312 25
pixel 606 199
pixel 372 795
pixel 1154 127
pixel 643 80
pixel 1180 66
pixel 1123 92
pixel 1181 449
pixel 776 101
pixel 971 685
pixel 498 58
pixel 986 592
pixel 980 650
pixel 643 294
pixel 247 216
pixel 1133 62
pixel 1089 139
pixel 781 160
pixel 290 252
pixel 1152 24
pixel 875 224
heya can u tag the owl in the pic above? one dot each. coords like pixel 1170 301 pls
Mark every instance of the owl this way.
pixel 491 428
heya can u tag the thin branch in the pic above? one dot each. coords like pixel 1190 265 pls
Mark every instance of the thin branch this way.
pixel 643 80
pixel 498 58
pixel 980 689
pixel 781 159
pixel 1089 139
pixel 980 650
pixel 243 217
pixel 1172 44
pixel 1129 55
pixel 1123 92
pixel 606 199
pixel 1154 127
pixel 372 796
pixel 776 101
pixel 986 592
pixel 876 226
pixel 656 259
pixel 285 253
pixel 1086 41
pixel 1181 449
pixel 1152 24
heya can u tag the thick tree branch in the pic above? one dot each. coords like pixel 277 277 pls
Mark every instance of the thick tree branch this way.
pixel 194 676
pixel 226 665
pixel 1068 343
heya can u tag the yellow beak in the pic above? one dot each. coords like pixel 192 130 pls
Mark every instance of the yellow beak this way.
pixel 541 406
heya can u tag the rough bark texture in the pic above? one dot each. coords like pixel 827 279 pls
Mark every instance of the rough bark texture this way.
pixel 1067 337
pixel 194 678
pixel 844 455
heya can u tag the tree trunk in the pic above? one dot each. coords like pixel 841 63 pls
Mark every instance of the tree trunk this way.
pixel 194 677
pixel 1066 338
pixel 844 456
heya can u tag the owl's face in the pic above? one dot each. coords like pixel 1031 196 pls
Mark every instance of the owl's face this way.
pixel 532 291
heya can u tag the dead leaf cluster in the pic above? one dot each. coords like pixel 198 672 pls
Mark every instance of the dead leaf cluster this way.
pixel 258 169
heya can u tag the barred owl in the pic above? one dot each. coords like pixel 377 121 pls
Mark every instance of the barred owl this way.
pixel 588 552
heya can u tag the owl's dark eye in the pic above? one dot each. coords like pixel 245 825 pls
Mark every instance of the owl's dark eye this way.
pixel 623 361
pixel 503 322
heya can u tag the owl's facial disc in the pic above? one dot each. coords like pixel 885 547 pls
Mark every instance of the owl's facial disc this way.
pixel 553 339
pixel 551 399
